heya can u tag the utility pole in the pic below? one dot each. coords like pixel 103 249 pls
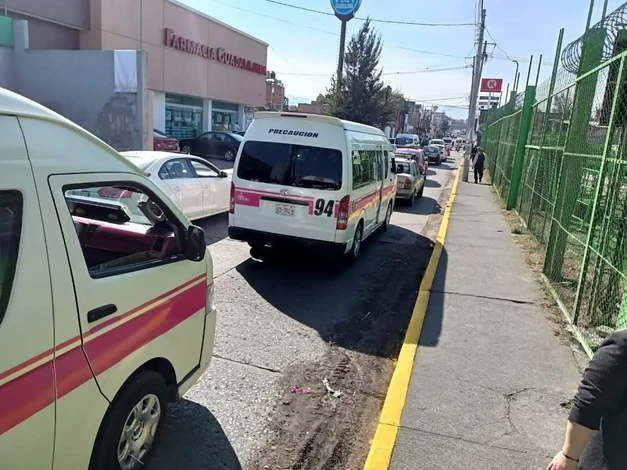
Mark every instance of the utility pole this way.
pixel 474 92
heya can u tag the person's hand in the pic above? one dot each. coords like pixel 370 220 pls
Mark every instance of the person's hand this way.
pixel 560 462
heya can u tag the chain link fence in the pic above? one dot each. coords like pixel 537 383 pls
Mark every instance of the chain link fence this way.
pixel 572 190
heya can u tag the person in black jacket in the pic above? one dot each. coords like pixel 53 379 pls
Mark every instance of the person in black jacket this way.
pixel 478 163
pixel 596 432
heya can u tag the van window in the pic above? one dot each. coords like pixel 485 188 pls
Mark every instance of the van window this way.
pixel 364 167
pixel 121 229
pixel 301 166
pixel 386 163
pixel 11 206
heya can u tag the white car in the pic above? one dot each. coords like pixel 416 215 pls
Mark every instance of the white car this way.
pixel 200 188
pixel 410 180
pixel 439 143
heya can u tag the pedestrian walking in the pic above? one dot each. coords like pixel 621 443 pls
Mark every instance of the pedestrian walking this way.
pixel 235 127
pixel 478 163
pixel 596 431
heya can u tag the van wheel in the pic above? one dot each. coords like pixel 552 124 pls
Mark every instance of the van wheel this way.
pixel 357 240
pixel 388 217
pixel 133 424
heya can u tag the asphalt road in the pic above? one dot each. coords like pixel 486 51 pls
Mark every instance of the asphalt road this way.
pixel 285 323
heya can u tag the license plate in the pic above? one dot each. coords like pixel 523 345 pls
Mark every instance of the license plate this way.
pixel 284 209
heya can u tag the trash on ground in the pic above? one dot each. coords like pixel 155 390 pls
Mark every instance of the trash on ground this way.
pixel 334 393
pixel 300 390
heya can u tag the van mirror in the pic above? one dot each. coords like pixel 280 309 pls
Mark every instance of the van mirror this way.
pixel 393 166
pixel 195 245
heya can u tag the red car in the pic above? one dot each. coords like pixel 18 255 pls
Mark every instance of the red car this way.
pixel 162 142
pixel 415 154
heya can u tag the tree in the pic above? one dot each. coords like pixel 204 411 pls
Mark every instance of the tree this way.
pixel 362 95
pixel 445 125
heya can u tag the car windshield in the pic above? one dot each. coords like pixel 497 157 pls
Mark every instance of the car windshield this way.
pixel 403 167
pixel 436 142
pixel 404 141
pixel 140 162
pixel 431 149
pixel 291 165
pixel 448 141
pixel 237 137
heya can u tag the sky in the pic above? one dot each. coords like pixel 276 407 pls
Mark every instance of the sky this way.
pixel 303 46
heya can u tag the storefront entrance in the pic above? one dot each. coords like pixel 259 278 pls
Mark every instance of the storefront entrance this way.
pixel 224 116
pixel 183 116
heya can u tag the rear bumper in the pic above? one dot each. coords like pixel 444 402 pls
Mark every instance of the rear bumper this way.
pixel 403 193
pixel 273 239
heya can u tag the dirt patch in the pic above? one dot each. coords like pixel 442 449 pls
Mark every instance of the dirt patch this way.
pixel 313 429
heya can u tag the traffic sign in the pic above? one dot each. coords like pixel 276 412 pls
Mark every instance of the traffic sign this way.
pixel 491 85
pixel 345 8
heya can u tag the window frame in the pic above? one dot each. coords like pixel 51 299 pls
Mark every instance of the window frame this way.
pixel 179 230
pixel 185 161
pixel 202 162
pixel 14 255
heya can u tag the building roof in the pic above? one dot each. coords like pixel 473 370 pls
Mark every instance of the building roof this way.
pixel 210 18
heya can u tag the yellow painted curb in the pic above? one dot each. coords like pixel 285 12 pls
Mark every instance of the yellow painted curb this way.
pixel 385 436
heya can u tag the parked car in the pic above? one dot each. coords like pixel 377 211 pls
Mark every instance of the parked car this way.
pixel 213 144
pixel 162 142
pixel 439 143
pixel 410 181
pixel 417 155
pixel 240 133
pixel 432 154
pixel 198 187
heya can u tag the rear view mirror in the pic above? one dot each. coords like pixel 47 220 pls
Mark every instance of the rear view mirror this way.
pixel 223 174
pixel 195 245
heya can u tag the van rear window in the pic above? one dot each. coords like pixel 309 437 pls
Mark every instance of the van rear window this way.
pixel 300 166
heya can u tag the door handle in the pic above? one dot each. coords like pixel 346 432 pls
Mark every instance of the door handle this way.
pixel 101 312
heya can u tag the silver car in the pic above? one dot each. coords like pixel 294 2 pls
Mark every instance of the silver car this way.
pixel 439 143
pixel 410 181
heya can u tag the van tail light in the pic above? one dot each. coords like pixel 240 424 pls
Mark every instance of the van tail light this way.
pixel 407 184
pixel 232 200
pixel 343 213
pixel 114 193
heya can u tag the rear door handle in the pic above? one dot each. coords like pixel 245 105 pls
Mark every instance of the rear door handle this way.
pixel 101 312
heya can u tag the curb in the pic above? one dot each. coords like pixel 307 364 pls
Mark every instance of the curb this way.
pixel 382 444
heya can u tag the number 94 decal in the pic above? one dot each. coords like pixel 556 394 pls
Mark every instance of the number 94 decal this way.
pixel 324 207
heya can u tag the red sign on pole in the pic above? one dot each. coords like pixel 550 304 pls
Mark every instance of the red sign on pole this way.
pixel 491 85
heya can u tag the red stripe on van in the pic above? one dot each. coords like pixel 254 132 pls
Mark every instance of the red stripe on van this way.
pixel 28 394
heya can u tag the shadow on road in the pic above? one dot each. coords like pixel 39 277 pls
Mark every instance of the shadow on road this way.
pixel 432 325
pixel 364 307
pixel 423 206
pixel 215 227
pixel 193 439
pixel 429 183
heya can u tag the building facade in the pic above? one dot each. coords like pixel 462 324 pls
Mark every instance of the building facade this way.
pixel 199 73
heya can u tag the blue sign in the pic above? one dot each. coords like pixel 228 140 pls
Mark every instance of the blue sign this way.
pixel 345 8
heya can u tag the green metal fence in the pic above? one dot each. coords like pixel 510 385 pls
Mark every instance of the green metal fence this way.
pixel 568 184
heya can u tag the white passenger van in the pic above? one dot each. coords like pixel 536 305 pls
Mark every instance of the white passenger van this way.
pixel 105 316
pixel 311 180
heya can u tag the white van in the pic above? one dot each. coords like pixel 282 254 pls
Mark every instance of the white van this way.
pixel 311 180
pixel 412 140
pixel 105 316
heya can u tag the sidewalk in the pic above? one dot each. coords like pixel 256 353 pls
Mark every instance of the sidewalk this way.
pixel 489 376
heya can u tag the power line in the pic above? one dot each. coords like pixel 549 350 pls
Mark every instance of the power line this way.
pixel 374 20
pixel 412 72
pixel 506 55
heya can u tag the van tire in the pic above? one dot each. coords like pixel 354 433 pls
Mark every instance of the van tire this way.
pixel 358 238
pixel 388 217
pixel 141 385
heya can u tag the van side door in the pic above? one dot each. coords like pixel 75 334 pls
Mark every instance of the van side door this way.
pixel 27 389
pixel 139 297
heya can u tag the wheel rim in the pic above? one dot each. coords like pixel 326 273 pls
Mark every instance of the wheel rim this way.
pixel 187 149
pixel 357 241
pixel 228 155
pixel 139 431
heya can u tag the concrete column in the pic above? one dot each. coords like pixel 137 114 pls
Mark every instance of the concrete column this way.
pixel 159 110
pixel 206 115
